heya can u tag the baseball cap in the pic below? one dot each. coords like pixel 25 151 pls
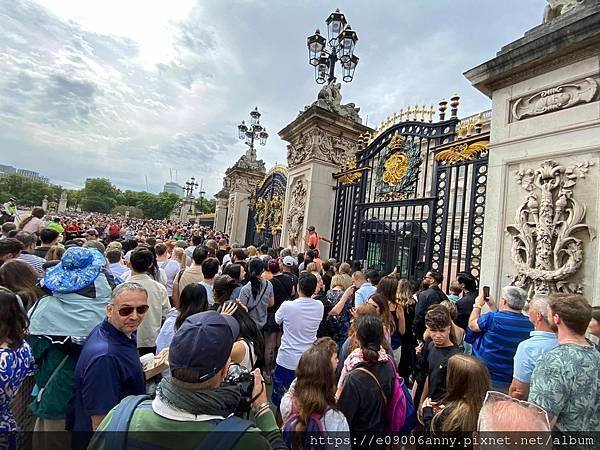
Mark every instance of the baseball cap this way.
pixel 92 232
pixel 203 344
pixel 311 228
pixel 289 261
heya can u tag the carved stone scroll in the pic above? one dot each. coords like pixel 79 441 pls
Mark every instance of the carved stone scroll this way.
pixel 545 248
pixel 556 98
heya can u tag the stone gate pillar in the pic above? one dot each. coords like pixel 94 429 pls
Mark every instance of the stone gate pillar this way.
pixel 241 180
pixel 544 156
pixel 320 138
pixel 222 198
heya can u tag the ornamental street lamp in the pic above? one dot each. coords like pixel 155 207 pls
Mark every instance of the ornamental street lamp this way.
pixel 339 46
pixel 190 187
pixel 253 131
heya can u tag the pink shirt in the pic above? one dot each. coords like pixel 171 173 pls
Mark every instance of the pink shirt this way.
pixel 34 225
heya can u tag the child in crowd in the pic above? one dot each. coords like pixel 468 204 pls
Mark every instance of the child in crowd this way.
pixel 455 291
pixel 436 353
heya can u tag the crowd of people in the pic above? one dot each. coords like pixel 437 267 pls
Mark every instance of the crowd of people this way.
pixel 302 345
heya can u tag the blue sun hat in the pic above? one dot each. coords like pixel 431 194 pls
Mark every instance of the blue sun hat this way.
pixel 78 268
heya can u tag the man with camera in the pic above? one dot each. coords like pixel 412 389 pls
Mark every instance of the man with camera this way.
pixel 193 409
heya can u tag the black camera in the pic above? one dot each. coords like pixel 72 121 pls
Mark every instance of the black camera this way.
pixel 244 379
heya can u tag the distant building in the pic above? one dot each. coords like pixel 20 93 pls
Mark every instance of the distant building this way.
pixel 7 170
pixel 33 175
pixel 173 188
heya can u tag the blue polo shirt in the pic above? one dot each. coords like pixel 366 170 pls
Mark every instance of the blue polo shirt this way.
pixel 363 293
pixel 107 371
pixel 502 332
pixel 529 351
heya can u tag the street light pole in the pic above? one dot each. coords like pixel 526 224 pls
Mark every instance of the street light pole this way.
pixel 201 193
pixel 323 53
pixel 252 132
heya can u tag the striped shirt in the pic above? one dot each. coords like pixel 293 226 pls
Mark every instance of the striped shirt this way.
pixel 34 261
pixel 502 332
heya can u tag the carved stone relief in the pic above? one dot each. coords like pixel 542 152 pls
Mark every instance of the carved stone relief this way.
pixel 230 213
pixel 318 144
pixel 295 216
pixel 556 98
pixel 545 248
pixel 557 8
pixel 330 98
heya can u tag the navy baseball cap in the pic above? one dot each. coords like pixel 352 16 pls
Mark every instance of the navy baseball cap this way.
pixel 203 344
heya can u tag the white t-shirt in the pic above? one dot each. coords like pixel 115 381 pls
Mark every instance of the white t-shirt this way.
pixel 171 268
pixel 300 319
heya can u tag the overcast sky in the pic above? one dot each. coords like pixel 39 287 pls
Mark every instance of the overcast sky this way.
pixel 126 89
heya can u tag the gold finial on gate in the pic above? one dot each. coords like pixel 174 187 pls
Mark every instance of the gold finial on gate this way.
pixel 401 113
pixel 423 112
pixel 431 113
pixel 416 111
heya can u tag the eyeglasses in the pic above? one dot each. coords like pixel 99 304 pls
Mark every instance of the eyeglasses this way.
pixel 128 310
pixel 492 397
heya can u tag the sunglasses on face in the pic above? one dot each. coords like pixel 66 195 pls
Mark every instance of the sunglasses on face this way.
pixel 128 310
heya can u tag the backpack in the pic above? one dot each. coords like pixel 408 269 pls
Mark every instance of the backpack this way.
pixel 401 412
pixel 314 428
pixel 227 432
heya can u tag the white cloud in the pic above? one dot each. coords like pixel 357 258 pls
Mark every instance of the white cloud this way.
pixel 130 89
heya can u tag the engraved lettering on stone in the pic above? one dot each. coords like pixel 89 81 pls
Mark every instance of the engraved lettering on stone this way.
pixel 556 98
pixel 545 248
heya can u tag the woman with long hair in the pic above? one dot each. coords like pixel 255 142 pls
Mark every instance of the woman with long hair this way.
pixel 380 303
pixel 20 278
pixel 405 308
pixel 365 390
pixel 193 299
pixel 34 223
pixel 388 288
pixel 351 342
pixel 16 357
pixel 55 253
pixel 248 350
pixel 467 383
pixel 223 286
pixel 238 273
pixel 257 294
pixel 311 396
pixel 339 322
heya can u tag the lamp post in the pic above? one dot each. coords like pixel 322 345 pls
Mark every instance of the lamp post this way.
pixel 323 53
pixel 253 131
pixel 190 187
pixel 201 193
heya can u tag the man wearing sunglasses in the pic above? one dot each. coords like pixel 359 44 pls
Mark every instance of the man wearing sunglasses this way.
pixel 109 366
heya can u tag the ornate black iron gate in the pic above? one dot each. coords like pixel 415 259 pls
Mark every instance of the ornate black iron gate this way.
pixel 414 196
pixel 265 215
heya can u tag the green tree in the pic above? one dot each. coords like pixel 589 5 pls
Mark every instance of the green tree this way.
pixel 133 211
pixel 99 195
pixel 207 206
pixel 28 192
